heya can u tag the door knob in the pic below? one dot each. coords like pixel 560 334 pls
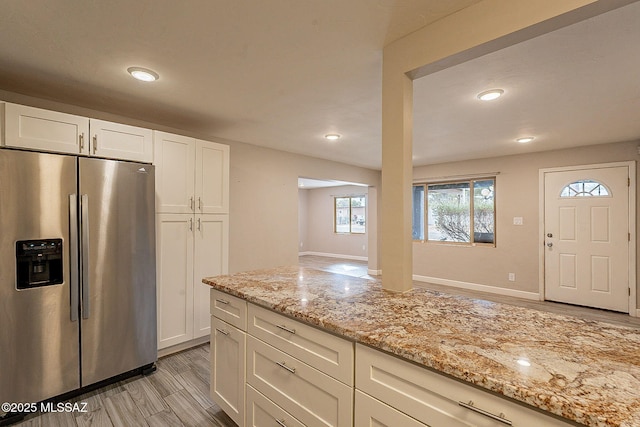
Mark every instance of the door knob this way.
pixel 549 235
pixel 549 244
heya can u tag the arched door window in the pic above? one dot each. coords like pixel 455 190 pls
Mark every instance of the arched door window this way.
pixel 585 188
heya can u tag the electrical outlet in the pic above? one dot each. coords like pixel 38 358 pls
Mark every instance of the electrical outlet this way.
pixel 512 277
pixel 517 220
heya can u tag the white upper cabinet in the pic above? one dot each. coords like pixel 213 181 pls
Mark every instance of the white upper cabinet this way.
pixel 118 141
pixel 192 175
pixel 212 177
pixel 44 130
pixel 175 160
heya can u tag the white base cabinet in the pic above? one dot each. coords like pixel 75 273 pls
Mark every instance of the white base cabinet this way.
pixel 44 130
pixel 228 369
pixel 298 375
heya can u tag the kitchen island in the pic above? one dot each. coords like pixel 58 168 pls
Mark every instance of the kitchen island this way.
pixel 584 371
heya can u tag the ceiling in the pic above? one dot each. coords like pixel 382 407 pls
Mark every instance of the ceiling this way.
pixel 283 73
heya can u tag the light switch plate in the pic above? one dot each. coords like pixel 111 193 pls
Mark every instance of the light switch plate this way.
pixel 517 220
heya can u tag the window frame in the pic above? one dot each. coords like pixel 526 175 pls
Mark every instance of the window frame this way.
pixel 335 213
pixel 425 211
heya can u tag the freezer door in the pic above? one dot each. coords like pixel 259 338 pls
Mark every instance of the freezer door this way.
pixel 39 347
pixel 118 267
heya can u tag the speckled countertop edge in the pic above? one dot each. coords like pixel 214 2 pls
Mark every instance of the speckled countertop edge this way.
pixel 585 371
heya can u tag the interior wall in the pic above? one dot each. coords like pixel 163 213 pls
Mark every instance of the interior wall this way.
pixel 303 222
pixel 267 234
pixel 320 218
pixel 517 195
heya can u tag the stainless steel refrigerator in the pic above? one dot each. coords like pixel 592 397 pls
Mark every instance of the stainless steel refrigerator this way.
pixel 77 272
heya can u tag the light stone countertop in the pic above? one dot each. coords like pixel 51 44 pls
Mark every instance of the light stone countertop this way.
pixel 585 371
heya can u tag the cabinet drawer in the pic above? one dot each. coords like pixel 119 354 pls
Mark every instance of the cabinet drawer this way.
pixel 306 393
pixel 370 412
pixel 227 369
pixel 261 412
pixel 325 352
pixel 231 309
pixel 435 399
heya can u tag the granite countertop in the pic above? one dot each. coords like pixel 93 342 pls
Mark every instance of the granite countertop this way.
pixel 585 371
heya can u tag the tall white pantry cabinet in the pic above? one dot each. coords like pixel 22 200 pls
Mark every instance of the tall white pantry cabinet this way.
pixel 192 208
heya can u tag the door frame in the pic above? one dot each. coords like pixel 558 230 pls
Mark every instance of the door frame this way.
pixel 631 165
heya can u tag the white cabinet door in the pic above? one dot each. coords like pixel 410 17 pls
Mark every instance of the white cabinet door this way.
pixel 44 130
pixel 174 240
pixel 211 242
pixel 227 369
pixel 370 412
pixel 174 157
pixel 212 177
pixel 118 141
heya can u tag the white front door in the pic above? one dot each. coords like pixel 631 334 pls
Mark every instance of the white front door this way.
pixel 586 227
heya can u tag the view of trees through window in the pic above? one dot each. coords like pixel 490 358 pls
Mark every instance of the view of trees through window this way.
pixel 462 212
pixel 350 214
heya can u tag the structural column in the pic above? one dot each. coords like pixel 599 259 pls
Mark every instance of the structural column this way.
pixel 397 176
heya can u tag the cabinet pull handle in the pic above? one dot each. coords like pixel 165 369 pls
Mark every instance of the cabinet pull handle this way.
pixel 284 328
pixel 199 203
pixel 81 139
pixel 221 301
pixel 499 418
pixel 222 331
pixel 199 226
pixel 280 422
pixel 95 143
pixel 190 224
pixel 283 365
pixel 191 205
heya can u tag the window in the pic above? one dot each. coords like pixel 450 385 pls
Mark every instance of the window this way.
pixel 350 215
pixel 460 212
pixel 584 188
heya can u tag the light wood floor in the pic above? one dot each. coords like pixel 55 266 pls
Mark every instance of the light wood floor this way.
pixel 359 269
pixel 177 394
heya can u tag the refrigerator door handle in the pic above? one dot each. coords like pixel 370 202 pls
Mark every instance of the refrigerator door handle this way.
pixel 73 256
pixel 85 255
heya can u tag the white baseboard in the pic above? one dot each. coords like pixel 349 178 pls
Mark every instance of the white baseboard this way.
pixel 477 287
pixel 637 313
pixel 374 272
pixel 183 346
pixel 354 257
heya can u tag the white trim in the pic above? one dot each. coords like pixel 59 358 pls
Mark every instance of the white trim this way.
pixel 183 346
pixel 634 311
pixel 476 287
pixel 374 272
pixel 354 257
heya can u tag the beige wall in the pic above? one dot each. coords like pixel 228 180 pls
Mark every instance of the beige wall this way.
pixel 517 194
pixel 264 203
pixel 303 220
pixel 320 236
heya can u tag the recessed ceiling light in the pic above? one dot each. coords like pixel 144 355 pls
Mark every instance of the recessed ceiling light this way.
pixel 332 136
pixel 525 139
pixel 143 74
pixel 491 94
pixel 523 362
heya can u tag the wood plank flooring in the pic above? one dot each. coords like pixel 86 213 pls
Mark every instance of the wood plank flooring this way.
pixel 176 395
